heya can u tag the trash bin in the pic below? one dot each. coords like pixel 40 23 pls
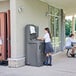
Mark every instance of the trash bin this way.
pixel 34 49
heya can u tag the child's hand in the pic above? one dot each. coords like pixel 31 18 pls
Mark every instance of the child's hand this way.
pixel 38 38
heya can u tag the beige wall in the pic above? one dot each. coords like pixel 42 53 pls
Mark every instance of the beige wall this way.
pixel 33 12
pixel 4 6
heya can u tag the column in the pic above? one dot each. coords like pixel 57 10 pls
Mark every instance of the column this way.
pixel 62 30
pixel 73 24
pixel 17 58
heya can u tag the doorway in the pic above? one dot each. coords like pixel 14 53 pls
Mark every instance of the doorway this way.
pixel 5 51
pixel 55 31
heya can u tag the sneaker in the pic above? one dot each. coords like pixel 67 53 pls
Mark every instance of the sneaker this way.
pixel 49 64
pixel 45 63
pixel 73 55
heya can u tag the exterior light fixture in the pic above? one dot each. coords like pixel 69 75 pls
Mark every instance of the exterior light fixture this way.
pixel 20 9
pixel 48 14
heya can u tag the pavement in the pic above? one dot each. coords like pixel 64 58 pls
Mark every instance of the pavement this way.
pixel 63 66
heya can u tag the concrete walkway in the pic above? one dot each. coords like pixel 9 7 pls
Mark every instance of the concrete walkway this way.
pixel 63 67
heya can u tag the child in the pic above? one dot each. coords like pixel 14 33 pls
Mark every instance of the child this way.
pixel 48 47
pixel 70 44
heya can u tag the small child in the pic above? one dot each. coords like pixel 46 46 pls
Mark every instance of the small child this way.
pixel 70 44
pixel 48 47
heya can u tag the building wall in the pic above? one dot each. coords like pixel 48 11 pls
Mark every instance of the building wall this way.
pixel 4 6
pixel 33 12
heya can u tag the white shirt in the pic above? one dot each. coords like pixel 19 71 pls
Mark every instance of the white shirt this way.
pixel 47 38
pixel 69 41
pixel 0 41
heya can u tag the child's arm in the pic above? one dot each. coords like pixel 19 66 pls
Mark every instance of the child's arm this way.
pixel 40 38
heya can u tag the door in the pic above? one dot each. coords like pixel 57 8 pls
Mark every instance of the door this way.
pixel 8 34
pixel 3 35
pixel 55 31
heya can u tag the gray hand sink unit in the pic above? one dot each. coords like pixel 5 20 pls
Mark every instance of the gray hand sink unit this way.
pixel 34 49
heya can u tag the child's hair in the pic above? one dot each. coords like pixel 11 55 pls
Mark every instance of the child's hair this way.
pixel 71 35
pixel 47 29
